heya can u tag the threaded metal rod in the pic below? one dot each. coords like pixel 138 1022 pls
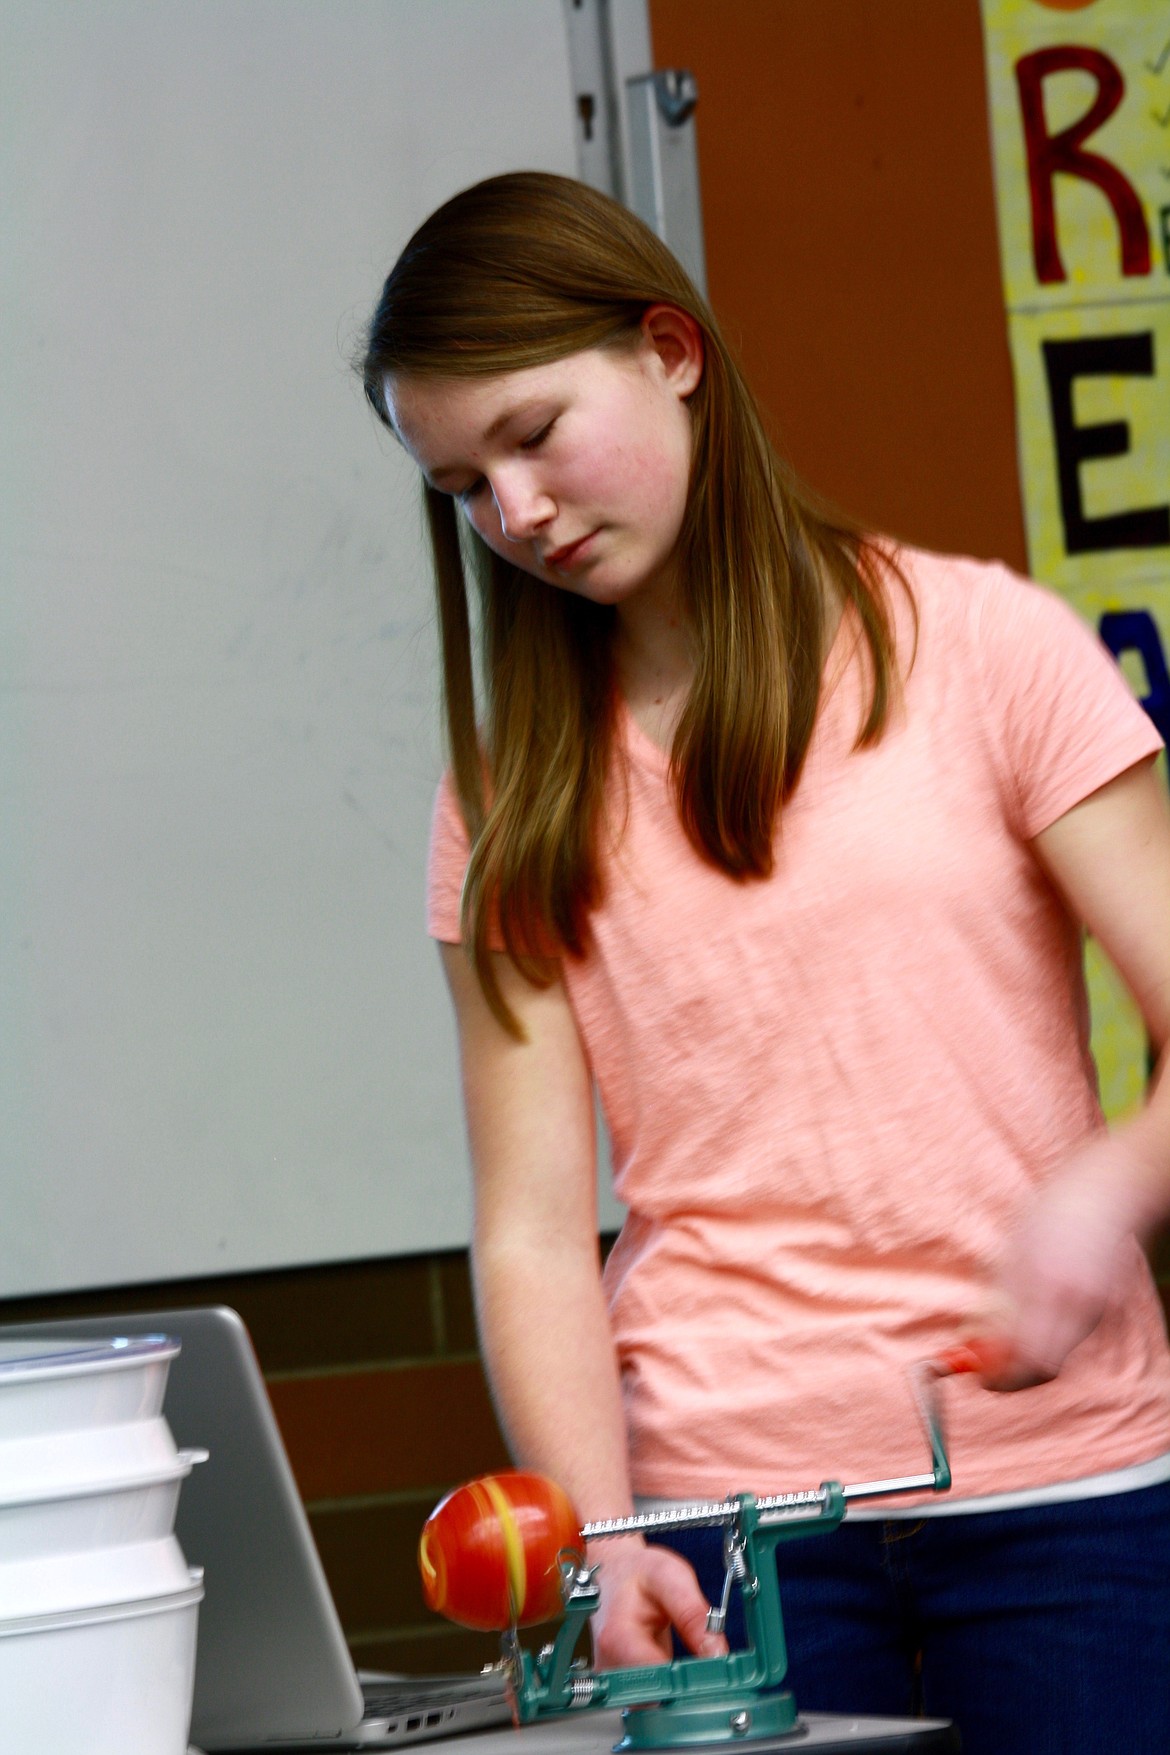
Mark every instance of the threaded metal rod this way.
pixel 707 1514
pixel 772 1508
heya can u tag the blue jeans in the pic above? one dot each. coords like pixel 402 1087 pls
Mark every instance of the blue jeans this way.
pixel 1043 1631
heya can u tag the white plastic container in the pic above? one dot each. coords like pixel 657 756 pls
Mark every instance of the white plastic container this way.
pixel 45 1390
pixel 115 1680
pixel 31 1588
pixel 98 1608
pixel 95 1453
pixel 77 1517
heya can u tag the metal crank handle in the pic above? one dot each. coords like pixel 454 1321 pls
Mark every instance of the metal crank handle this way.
pixel 776 1508
pixel 925 1378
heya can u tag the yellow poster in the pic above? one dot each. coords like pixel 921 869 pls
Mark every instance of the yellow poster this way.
pixel 1079 93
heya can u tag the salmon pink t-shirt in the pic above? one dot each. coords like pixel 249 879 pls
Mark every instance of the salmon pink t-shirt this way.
pixel 832 1093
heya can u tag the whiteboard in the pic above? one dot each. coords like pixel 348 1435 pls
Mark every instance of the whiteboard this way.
pixel 224 1039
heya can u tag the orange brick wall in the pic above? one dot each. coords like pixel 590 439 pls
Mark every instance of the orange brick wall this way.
pixel 852 256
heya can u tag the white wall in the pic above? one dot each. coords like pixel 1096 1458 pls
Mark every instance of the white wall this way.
pixel 223 1039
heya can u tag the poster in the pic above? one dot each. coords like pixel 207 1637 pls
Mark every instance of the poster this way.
pixel 1079 94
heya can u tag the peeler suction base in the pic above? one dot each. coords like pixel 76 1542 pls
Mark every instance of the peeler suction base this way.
pixel 833 1734
pixel 840 1734
pixel 728 1720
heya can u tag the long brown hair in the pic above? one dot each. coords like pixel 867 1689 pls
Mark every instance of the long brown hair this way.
pixel 518 271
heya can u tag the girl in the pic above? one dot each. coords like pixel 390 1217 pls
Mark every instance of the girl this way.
pixel 781 838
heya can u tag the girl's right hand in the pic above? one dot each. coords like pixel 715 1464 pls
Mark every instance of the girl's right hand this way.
pixel 646 1592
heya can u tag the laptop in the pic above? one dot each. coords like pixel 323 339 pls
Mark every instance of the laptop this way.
pixel 272 1666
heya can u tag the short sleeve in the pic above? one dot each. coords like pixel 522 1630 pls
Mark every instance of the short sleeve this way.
pixel 1060 715
pixel 446 865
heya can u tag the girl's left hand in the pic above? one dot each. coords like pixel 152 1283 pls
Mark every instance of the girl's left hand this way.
pixel 1065 1266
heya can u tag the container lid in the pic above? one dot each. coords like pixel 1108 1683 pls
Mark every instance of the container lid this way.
pixel 165 1602
pixel 16 1493
pixel 59 1584
pixel 22 1360
pixel 87 1453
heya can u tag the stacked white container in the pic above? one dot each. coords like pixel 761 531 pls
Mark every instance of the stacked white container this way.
pixel 97 1605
